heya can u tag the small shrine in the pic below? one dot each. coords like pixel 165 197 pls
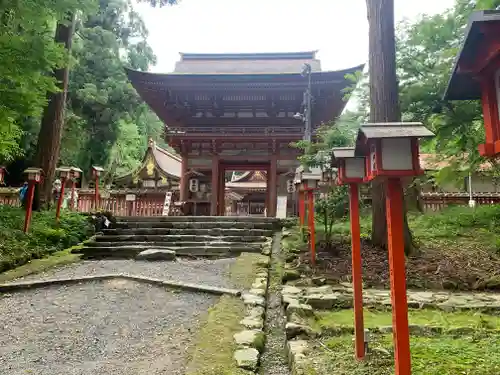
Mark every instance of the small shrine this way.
pixel 476 74
pixel 251 186
pixel 160 170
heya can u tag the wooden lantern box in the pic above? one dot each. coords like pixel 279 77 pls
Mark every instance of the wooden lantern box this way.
pixel 476 74
pixel 33 174
pixel 391 149
pixel 351 168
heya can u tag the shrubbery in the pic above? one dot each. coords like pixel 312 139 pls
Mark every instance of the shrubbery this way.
pixel 45 236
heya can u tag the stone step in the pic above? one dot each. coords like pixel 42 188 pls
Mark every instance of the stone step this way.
pixel 154 244
pixel 138 237
pixel 241 219
pixel 128 252
pixel 213 232
pixel 194 225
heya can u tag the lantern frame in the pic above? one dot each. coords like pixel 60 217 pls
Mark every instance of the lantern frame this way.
pixel 75 173
pixel 341 157
pixel 377 141
pixel 64 172
pixel 34 174
pixel 97 171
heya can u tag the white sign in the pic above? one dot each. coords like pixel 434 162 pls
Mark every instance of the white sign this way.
pixel 166 204
pixel 281 206
pixel 130 197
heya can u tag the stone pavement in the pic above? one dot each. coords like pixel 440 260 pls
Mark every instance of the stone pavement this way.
pixel 340 296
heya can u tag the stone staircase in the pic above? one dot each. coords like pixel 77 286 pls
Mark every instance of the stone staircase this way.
pixel 195 236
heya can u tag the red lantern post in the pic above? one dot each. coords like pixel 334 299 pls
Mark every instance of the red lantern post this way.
pixel 34 176
pixel 392 153
pixel 476 74
pixel 96 172
pixel 75 173
pixel 64 174
pixel 351 170
pixel 309 183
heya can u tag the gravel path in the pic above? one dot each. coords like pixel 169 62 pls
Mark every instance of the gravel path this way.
pixel 274 361
pixel 208 272
pixel 99 328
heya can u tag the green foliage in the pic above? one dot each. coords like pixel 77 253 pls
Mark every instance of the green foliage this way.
pixel 334 204
pixel 45 237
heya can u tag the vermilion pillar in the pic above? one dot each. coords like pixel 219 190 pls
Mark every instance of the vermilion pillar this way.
pixel 395 232
pixel 183 186
pixel 215 185
pixel 61 197
pixel 357 281
pixel 29 205
pixel 273 186
pixel 312 229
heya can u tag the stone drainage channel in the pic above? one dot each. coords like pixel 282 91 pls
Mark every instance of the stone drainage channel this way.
pixel 261 346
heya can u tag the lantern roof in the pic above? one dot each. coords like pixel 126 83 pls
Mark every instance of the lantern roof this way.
pixel 343 152
pixel 394 130
pixel 76 169
pixel 462 84
pixel 33 170
pixel 96 168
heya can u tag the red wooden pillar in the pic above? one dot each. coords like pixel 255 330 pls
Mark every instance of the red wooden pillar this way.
pixel 395 221
pixel 273 186
pixel 215 185
pixel 267 199
pixel 357 281
pixel 312 229
pixel 183 186
pixel 29 205
pixel 61 197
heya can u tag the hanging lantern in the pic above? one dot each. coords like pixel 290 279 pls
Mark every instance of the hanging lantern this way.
pixel 290 186
pixel 194 185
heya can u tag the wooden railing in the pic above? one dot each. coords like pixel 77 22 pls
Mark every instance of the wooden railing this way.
pixel 437 201
pixel 10 197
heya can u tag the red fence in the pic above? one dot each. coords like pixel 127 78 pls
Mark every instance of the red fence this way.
pixel 150 203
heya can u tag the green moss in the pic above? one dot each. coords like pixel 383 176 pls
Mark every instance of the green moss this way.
pixel 212 353
pixel 259 341
pixel 378 318
pixel 444 355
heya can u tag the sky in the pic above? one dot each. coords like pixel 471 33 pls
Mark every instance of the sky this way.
pixel 337 29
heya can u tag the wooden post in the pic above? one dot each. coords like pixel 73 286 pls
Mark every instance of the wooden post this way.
pixel 29 205
pixel 60 199
pixel 272 188
pixel 312 229
pixel 357 281
pixel 183 188
pixel 96 193
pixel 395 237
pixel 215 186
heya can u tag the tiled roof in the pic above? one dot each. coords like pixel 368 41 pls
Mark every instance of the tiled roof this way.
pixel 251 63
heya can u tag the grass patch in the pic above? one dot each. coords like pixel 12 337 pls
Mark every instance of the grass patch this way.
pixel 45 236
pixel 212 353
pixel 443 355
pixel 378 318
pixel 59 258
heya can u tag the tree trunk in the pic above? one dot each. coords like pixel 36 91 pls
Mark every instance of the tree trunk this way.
pixel 384 105
pixel 49 138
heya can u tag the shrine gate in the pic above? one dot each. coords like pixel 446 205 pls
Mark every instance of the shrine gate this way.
pixel 235 112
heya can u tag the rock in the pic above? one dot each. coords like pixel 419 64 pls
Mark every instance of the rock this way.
pixel 289 275
pixel 266 250
pixel 258 292
pixel 263 261
pixel 256 312
pixel 319 281
pixel 300 309
pixel 296 351
pixel 156 254
pixel 251 322
pixel 250 338
pixel 247 358
pixel 288 299
pixel 290 289
pixel 293 330
pixel 328 301
pixel 253 300
pixel 290 257
pixel 263 275
pixel 319 290
pixel 449 284
pixel 259 283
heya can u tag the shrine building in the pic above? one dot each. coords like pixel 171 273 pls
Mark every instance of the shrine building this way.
pixel 237 112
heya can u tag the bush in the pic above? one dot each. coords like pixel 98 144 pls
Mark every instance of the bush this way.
pixel 44 238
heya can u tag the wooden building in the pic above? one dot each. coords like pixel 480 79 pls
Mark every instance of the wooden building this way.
pixel 235 112
pixel 160 169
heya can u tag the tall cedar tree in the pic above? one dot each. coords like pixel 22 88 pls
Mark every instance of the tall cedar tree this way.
pixel 49 138
pixel 384 105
